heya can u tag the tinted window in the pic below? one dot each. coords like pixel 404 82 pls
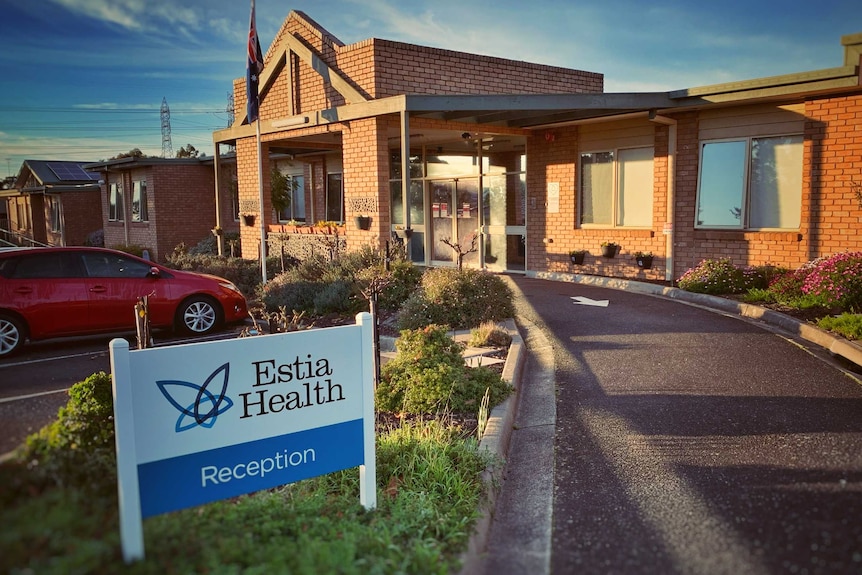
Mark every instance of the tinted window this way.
pixel 102 265
pixel 41 266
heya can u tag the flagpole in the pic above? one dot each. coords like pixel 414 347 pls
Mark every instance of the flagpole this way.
pixel 253 68
pixel 260 203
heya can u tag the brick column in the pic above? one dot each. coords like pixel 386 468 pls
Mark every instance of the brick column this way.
pixel 366 180
pixel 247 181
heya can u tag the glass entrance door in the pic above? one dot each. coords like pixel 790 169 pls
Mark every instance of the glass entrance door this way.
pixel 504 222
pixel 454 221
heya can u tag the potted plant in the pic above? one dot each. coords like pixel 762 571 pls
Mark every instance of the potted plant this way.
pixel 644 259
pixel 326 227
pixel 362 222
pixel 577 256
pixel 610 249
pixel 403 233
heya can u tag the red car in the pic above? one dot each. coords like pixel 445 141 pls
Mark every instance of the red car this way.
pixel 55 292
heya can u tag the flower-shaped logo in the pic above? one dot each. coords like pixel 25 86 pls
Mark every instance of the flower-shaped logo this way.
pixel 197 405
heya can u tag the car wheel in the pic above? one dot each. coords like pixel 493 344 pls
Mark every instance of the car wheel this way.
pixel 11 335
pixel 199 315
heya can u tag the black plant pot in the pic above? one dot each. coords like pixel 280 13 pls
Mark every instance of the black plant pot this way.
pixel 577 259
pixel 645 262
pixel 404 234
pixel 609 251
pixel 362 222
pixel 248 220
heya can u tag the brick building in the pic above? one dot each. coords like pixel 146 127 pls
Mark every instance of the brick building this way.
pixel 52 202
pixel 158 203
pixel 540 161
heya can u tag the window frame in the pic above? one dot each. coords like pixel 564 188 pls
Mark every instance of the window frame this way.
pixel 746 193
pixel 139 197
pixel 116 208
pixel 296 192
pixel 56 214
pixel 615 222
pixel 341 207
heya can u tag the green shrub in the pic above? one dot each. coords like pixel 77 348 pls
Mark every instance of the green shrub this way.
pixel 461 299
pixel 209 245
pixel 758 295
pixel 77 449
pixel 713 277
pixel 320 285
pixel 405 279
pixel 291 294
pixel 243 273
pixel 489 334
pixel 337 297
pixel 847 325
pixel 428 375
pixel 133 249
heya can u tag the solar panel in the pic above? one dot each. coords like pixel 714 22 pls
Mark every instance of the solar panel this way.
pixel 70 171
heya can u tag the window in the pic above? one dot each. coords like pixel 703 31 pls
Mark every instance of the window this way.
pixel 750 183
pixel 45 266
pixel 334 198
pixel 139 201
pixel 101 265
pixel 234 199
pixel 296 210
pixel 56 221
pixel 616 188
pixel 115 203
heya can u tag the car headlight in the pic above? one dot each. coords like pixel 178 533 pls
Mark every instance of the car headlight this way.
pixel 230 286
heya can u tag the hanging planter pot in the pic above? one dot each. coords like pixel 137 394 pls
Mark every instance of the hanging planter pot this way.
pixel 248 219
pixel 577 257
pixel 609 250
pixel 362 222
pixel 403 234
pixel 644 260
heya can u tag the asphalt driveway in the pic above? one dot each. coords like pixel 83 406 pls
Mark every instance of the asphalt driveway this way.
pixel 684 441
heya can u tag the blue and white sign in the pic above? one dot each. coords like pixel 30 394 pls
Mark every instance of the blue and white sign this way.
pixel 201 422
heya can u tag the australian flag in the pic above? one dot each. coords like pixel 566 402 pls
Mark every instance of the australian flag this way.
pixel 253 69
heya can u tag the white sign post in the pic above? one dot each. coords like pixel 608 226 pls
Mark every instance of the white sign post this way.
pixel 201 422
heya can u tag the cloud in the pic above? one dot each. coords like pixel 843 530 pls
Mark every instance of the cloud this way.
pixel 164 18
pixel 133 14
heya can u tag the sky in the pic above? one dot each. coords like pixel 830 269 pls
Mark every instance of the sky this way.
pixel 85 79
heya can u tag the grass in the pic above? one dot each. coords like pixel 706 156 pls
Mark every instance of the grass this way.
pixel 430 490
pixel 847 325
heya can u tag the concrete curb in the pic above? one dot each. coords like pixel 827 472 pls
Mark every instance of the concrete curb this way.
pixel 836 345
pixel 495 440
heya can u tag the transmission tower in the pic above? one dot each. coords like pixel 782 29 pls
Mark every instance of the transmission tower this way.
pixel 230 110
pixel 167 147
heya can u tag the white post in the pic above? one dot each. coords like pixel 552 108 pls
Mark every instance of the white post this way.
pixel 367 471
pixel 131 526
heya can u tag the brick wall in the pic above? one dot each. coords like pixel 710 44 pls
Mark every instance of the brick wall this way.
pixel 82 215
pixel 832 177
pixel 409 69
pixel 180 207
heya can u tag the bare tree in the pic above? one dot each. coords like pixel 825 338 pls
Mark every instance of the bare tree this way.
pixel 461 251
